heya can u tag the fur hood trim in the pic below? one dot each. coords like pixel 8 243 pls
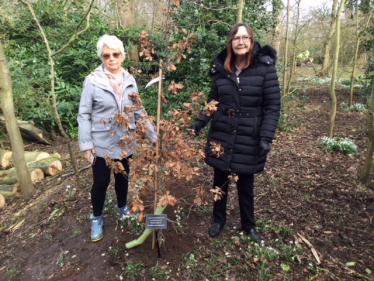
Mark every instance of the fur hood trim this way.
pixel 265 54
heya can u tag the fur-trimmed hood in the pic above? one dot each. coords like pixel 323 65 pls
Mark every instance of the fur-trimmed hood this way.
pixel 265 54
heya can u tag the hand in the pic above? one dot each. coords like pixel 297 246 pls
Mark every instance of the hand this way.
pixel 88 153
pixel 264 147
pixel 195 128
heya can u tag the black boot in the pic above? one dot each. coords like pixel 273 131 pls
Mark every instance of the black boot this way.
pixel 215 229
pixel 253 234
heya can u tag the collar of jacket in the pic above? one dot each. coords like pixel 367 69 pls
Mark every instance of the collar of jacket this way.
pixel 102 81
pixel 265 54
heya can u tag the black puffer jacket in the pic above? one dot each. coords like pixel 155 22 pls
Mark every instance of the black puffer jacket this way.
pixel 249 109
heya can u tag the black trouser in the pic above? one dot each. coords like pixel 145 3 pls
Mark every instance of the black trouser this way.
pixel 246 199
pixel 101 178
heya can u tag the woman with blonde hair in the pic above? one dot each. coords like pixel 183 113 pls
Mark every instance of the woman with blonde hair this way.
pixel 106 93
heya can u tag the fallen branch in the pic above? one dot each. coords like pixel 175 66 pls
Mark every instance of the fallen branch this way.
pixel 80 170
pixel 332 275
pixel 314 252
pixel 313 277
pixel 29 131
pixel 14 227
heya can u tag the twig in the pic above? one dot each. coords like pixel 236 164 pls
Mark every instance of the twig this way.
pixel 14 227
pixel 350 270
pixel 333 275
pixel 313 278
pixel 359 275
pixel 356 229
pixel 80 170
pixel 314 252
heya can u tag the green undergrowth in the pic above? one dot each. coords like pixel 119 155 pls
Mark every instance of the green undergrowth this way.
pixel 234 256
pixel 292 106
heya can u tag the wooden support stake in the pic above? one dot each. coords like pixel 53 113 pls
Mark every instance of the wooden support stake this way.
pixel 158 146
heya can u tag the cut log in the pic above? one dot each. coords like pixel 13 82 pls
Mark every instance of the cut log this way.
pixel 5 187
pixel 29 131
pixel 6 193
pixel 37 175
pixel 6 159
pixel 2 201
pixel 9 177
pixel 50 166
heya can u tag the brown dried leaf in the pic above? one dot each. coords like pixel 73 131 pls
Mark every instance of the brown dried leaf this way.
pixel 216 149
pixel 166 199
pixel 218 193
pixel 175 87
pixel 136 206
pixel 172 67
pixel 210 108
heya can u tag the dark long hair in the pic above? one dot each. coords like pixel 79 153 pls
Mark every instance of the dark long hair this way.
pixel 230 59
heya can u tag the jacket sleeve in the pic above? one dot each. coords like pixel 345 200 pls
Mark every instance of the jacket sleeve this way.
pixel 150 130
pixel 84 116
pixel 271 103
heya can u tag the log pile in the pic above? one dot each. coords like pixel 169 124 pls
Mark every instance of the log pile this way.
pixel 40 164
pixel 6 159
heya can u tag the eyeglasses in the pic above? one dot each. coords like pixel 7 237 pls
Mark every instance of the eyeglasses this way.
pixel 244 39
pixel 114 55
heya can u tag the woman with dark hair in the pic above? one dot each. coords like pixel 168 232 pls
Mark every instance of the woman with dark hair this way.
pixel 245 83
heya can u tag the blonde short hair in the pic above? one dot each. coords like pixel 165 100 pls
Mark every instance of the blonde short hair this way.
pixel 112 42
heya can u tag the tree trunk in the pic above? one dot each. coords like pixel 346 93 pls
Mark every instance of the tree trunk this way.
pixel 7 106
pixel 277 33
pixel 366 168
pixel 126 19
pixel 327 45
pixel 277 17
pixel 335 69
pixel 239 15
pixel 293 58
pixel 286 50
pixel 358 42
pixel 52 77
pixel 354 59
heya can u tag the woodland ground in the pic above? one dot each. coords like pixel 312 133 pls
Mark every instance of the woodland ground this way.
pixel 304 190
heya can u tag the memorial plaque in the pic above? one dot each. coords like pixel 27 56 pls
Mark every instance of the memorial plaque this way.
pixel 156 221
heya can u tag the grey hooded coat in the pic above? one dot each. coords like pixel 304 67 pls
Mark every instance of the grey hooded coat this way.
pixel 98 105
